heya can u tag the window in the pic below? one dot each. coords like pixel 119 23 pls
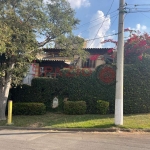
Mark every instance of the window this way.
pixel 89 63
pixel 48 71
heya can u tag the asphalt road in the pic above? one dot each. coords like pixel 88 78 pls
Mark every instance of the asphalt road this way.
pixel 51 140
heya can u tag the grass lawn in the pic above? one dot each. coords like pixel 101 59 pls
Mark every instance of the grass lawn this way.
pixel 138 121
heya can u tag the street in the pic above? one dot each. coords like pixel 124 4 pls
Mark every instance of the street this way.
pixel 53 140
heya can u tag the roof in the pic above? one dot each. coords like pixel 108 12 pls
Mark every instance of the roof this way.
pixel 54 59
pixel 100 51
pixel 47 56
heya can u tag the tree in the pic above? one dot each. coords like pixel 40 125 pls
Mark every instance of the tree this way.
pixel 136 46
pixel 72 45
pixel 22 22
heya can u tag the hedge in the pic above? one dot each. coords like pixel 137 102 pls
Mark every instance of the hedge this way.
pixel 137 87
pixel 75 108
pixel 42 90
pixel 102 107
pixel 29 109
pixel 89 88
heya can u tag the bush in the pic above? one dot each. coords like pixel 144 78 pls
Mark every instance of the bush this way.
pixel 43 90
pixel 75 108
pixel 91 105
pixel 90 89
pixel 76 87
pixel 29 109
pixel 102 107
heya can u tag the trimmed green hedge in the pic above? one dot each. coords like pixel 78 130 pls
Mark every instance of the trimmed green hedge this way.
pixel 102 107
pixel 75 108
pixel 137 87
pixel 90 89
pixel 29 109
pixel 43 90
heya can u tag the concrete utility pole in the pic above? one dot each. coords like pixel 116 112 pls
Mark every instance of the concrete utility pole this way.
pixel 120 67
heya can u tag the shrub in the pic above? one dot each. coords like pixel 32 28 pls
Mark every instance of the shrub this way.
pixel 91 105
pixel 102 107
pixel 90 89
pixel 75 108
pixel 76 87
pixel 29 109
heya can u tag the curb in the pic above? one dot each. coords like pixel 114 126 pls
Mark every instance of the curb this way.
pixel 61 129
pixel 76 129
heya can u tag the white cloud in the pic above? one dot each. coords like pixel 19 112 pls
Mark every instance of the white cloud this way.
pixel 74 3
pixel 139 27
pixel 144 27
pixel 98 29
pixel 80 35
pixel 79 3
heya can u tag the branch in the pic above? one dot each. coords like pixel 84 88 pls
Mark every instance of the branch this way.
pixel 41 44
pixel 49 38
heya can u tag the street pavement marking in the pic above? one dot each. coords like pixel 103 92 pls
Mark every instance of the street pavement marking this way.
pixel 37 136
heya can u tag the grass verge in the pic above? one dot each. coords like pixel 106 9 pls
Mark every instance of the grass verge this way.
pixel 139 121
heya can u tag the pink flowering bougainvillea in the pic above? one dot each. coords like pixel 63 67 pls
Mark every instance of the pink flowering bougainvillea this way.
pixel 136 45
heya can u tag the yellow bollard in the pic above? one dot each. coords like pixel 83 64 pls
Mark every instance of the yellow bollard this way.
pixel 9 121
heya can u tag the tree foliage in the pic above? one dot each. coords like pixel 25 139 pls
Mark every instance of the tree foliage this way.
pixel 136 47
pixel 26 20
pixel 72 45
pixel 22 23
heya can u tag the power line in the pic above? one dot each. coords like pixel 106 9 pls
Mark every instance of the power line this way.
pixel 136 9
pixel 102 22
pixel 145 15
pixel 96 19
pixel 137 4
pixel 112 23
pixel 98 24
pixel 102 37
pixel 131 11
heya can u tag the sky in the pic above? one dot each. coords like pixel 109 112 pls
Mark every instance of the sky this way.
pixel 99 19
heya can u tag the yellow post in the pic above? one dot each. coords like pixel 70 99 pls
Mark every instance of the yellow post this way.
pixel 9 121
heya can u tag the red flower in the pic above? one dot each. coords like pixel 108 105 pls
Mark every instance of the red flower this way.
pixel 140 57
pixel 142 43
pixel 94 57
pixel 126 29
pixel 107 75
pixel 110 51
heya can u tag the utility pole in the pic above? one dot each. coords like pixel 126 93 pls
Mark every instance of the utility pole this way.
pixel 120 67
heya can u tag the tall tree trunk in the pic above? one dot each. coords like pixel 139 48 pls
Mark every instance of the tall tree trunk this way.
pixel 4 92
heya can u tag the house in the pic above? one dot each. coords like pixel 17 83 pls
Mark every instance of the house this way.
pixel 49 62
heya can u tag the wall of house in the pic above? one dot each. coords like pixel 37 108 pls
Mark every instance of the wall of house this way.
pixel 99 61
pixel 33 71
pixel 51 68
